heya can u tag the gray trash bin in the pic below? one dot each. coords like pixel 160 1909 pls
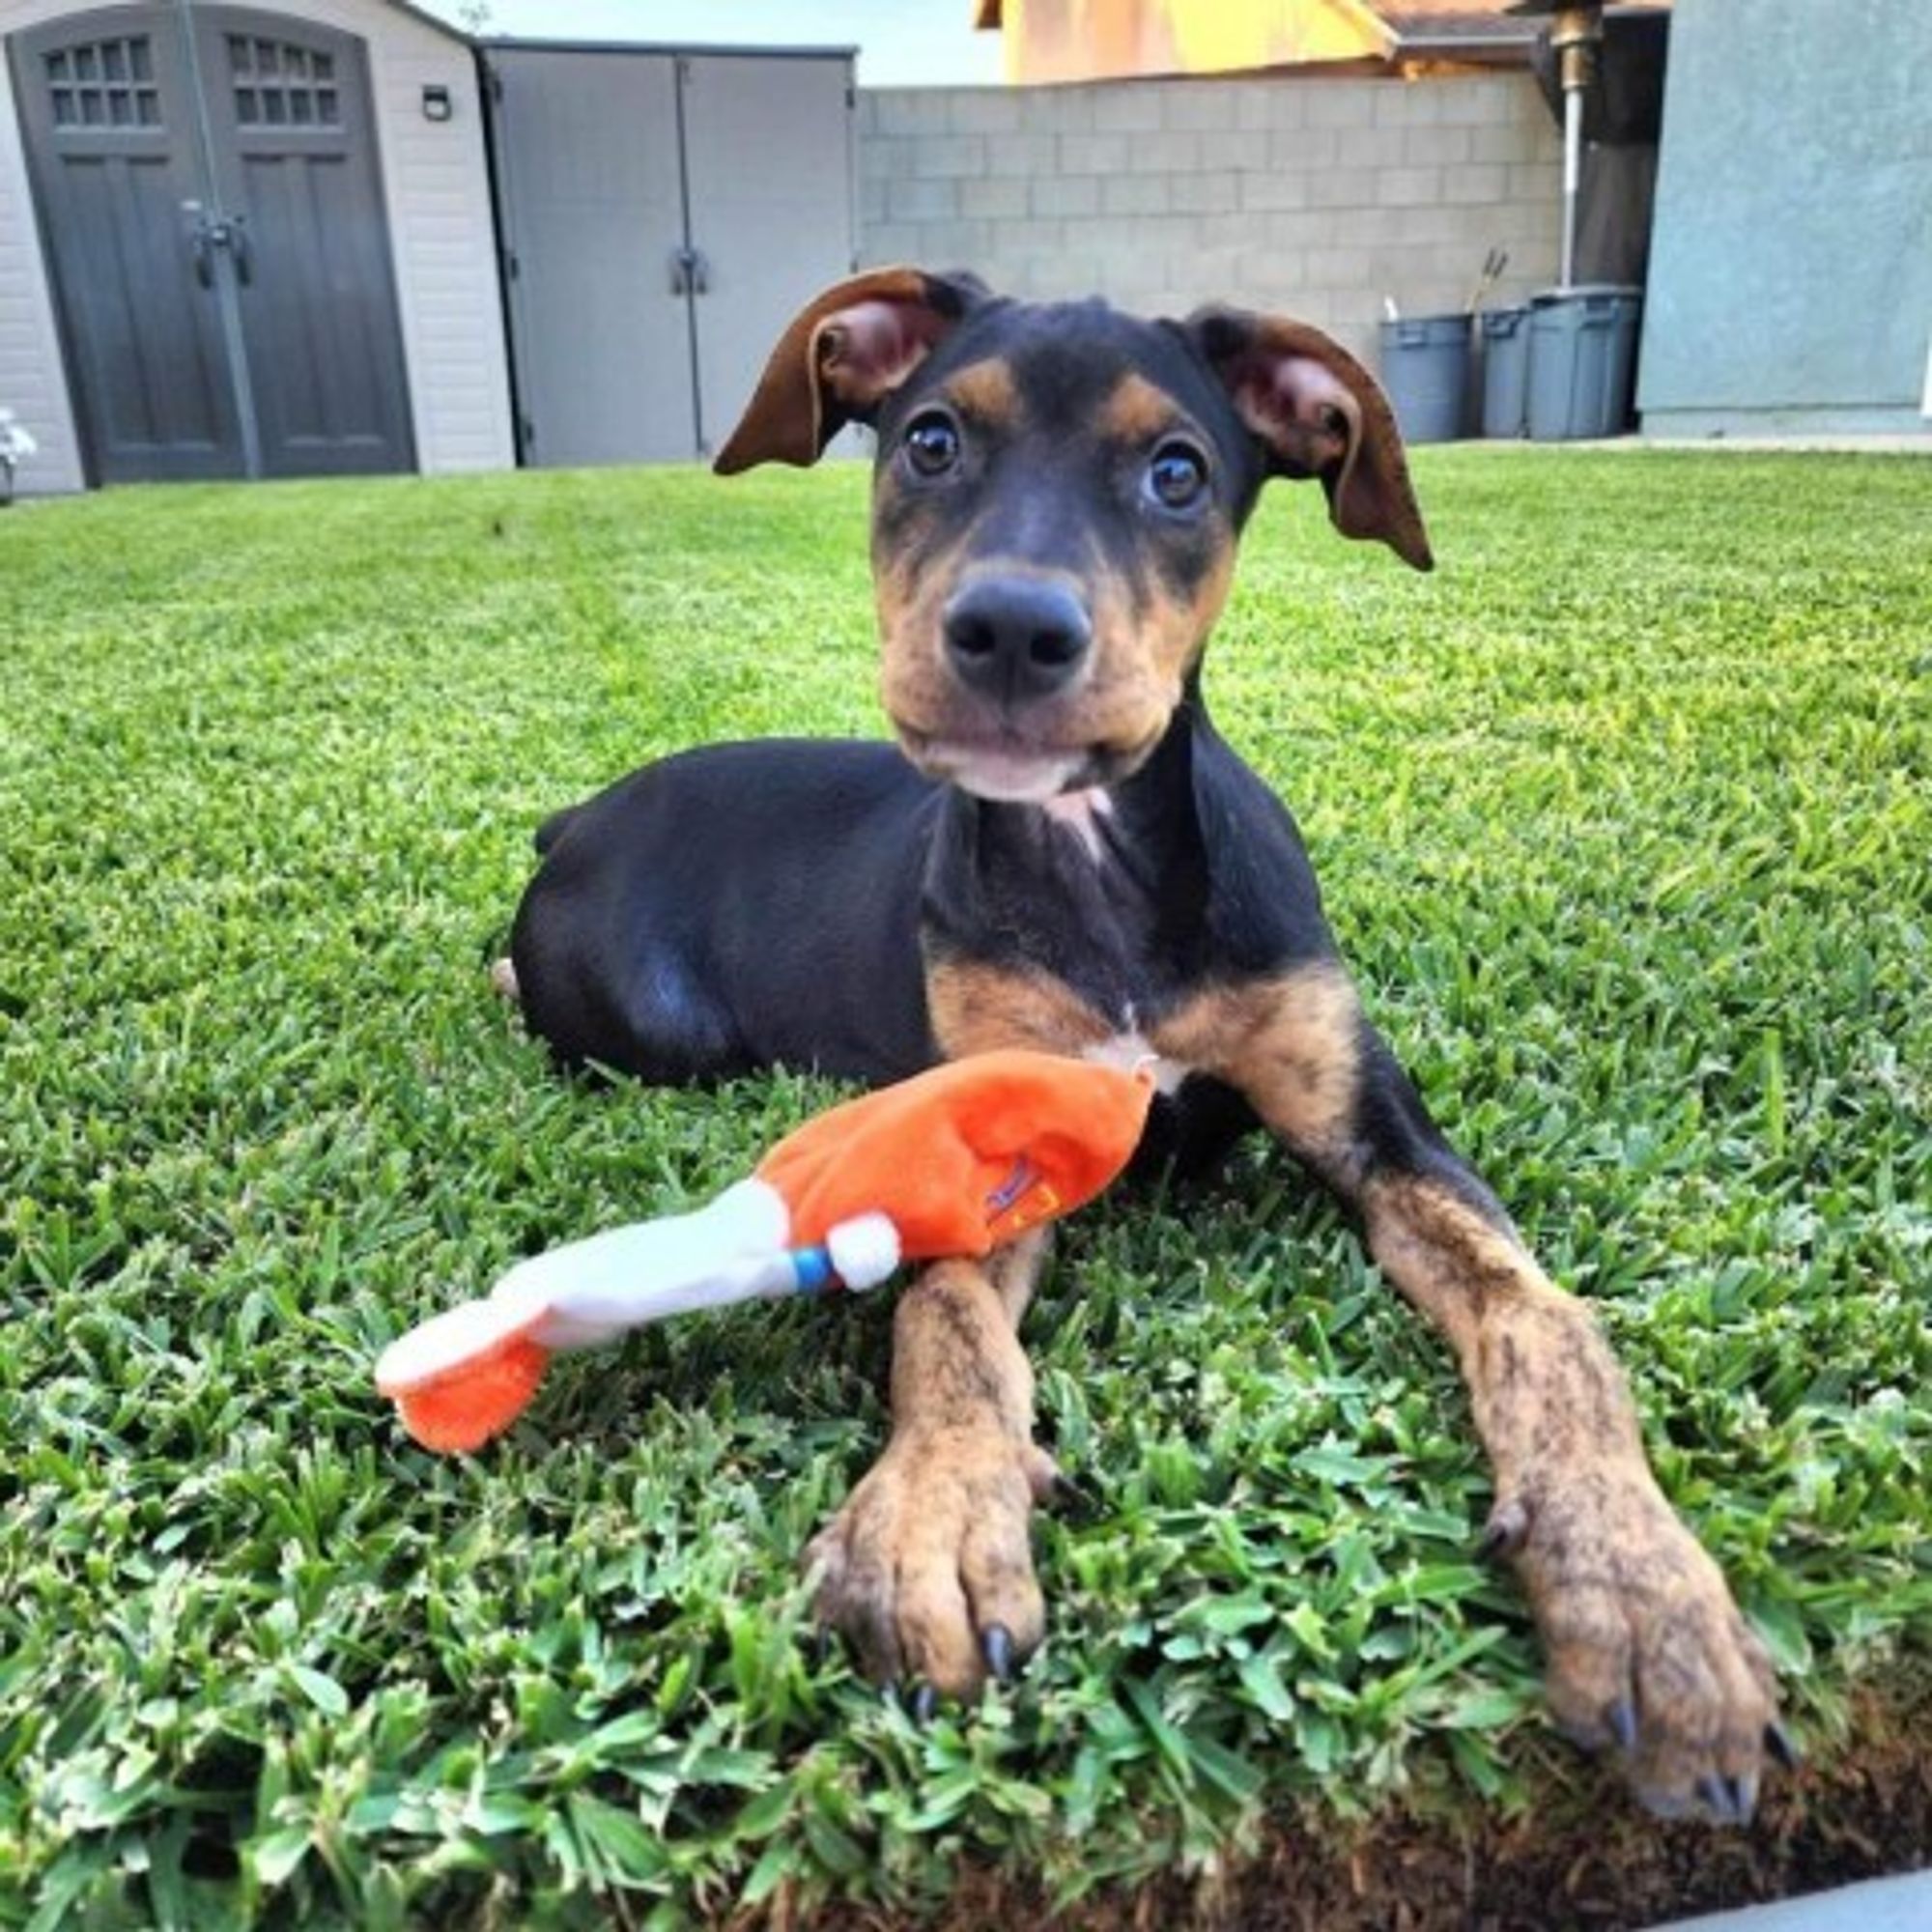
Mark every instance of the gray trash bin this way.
pixel 1426 372
pixel 1505 370
pixel 1583 348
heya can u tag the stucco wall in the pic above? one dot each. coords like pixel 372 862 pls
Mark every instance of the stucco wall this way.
pixel 1311 197
pixel 1791 258
pixel 438 196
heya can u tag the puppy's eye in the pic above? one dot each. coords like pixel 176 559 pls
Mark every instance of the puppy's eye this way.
pixel 1176 476
pixel 932 443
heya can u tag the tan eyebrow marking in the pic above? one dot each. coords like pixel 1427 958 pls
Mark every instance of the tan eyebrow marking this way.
pixel 1137 411
pixel 987 392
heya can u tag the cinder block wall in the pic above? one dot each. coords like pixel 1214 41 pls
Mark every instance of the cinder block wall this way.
pixel 1312 197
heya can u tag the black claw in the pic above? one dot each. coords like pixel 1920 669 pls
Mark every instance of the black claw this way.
pixel 1504 1533
pixel 1743 1798
pixel 1622 1720
pixel 1076 1498
pixel 1777 1742
pixel 924 1703
pixel 1716 1792
pixel 997 1642
pixel 823 1638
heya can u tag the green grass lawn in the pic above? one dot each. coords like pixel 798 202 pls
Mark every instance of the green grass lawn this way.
pixel 1624 818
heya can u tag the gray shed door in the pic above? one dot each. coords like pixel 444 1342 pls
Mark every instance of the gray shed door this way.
pixel 768 155
pixel 107 107
pixel 208 191
pixel 593 215
pixel 293 142
pixel 664 218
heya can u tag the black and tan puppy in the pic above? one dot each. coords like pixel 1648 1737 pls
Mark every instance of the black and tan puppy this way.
pixel 1062 853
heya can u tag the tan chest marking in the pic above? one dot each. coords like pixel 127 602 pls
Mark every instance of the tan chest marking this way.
pixel 1290 1044
pixel 980 1009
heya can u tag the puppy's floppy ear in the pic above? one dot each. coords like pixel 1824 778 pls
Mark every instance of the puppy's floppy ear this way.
pixel 842 354
pixel 1319 413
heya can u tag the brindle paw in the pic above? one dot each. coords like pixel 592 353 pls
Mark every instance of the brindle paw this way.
pixel 1646 1650
pixel 927 1570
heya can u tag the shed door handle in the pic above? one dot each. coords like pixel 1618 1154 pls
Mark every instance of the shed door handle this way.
pixel 237 241
pixel 689 273
pixel 204 237
pixel 197 243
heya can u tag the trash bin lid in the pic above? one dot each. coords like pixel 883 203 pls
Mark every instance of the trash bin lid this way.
pixel 1595 291
pixel 1411 329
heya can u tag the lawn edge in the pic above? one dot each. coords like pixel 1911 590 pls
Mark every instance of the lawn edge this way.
pixel 1588 1860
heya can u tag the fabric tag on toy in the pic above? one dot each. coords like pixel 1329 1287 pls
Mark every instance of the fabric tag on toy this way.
pixel 1023 1200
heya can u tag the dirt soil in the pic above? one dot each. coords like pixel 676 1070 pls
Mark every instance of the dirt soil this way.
pixel 1593 1862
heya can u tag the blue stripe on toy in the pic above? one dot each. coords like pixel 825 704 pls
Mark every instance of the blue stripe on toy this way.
pixel 812 1269
pixel 1013 1187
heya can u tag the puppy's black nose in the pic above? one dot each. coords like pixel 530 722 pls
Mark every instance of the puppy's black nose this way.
pixel 1011 638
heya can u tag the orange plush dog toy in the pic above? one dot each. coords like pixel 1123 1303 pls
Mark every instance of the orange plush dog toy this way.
pixel 951 1162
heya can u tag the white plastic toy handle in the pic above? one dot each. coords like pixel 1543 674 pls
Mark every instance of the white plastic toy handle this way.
pixel 734 1250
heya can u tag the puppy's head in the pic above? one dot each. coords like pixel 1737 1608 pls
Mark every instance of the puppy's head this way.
pixel 1057 493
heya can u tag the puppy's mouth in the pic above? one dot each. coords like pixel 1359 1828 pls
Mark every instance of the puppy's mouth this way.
pixel 1008 770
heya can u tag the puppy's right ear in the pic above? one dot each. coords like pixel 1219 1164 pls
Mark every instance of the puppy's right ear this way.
pixel 841 357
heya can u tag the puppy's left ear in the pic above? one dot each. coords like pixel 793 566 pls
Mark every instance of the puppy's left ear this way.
pixel 1318 413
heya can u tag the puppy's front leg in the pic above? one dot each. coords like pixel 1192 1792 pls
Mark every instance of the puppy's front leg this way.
pixel 927 1569
pixel 1645 1648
